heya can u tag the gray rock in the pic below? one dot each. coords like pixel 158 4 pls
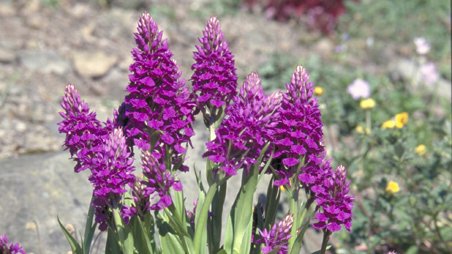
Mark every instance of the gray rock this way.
pixel 93 65
pixel 37 189
pixel 44 61
pixel 6 9
pixel 6 56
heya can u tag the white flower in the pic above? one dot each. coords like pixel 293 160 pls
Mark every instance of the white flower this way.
pixel 359 89
pixel 422 45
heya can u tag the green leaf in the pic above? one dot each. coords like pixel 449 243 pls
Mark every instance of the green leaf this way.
pixel 201 220
pixel 124 234
pixel 169 242
pixel 179 229
pixel 238 231
pixel 141 237
pixel 75 246
pixel 179 208
pixel 112 246
pixel 90 228
pixel 273 196
pixel 298 243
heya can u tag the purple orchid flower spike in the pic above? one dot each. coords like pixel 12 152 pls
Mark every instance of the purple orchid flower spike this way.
pixel 335 201
pixel 158 110
pixel 244 130
pixel 298 133
pixel 214 79
pixel 112 171
pixel 81 127
pixel 276 239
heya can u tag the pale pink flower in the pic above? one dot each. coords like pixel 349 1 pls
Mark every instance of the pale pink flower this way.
pixel 422 45
pixel 359 89
pixel 429 73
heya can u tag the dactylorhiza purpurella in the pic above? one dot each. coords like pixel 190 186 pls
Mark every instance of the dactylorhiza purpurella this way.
pixel 245 129
pixel 276 239
pixel 334 200
pixel 298 134
pixel 214 79
pixel 158 108
pixel 9 248
pixel 157 116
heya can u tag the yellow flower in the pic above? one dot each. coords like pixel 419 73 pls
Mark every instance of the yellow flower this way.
pixel 361 130
pixel 282 188
pixel 318 91
pixel 390 124
pixel 421 150
pixel 392 187
pixel 401 119
pixel 367 103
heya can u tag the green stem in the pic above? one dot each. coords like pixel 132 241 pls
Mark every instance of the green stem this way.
pixel 294 210
pixel 326 238
pixel 368 122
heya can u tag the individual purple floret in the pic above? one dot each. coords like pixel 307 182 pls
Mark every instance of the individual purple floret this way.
pixel 9 248
pixel 81 127
pixel 214 79
pixel 158 109
pixel 298 133
pixel 112 171
pixel 335 201
pixel 277 238
pixel 244 130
